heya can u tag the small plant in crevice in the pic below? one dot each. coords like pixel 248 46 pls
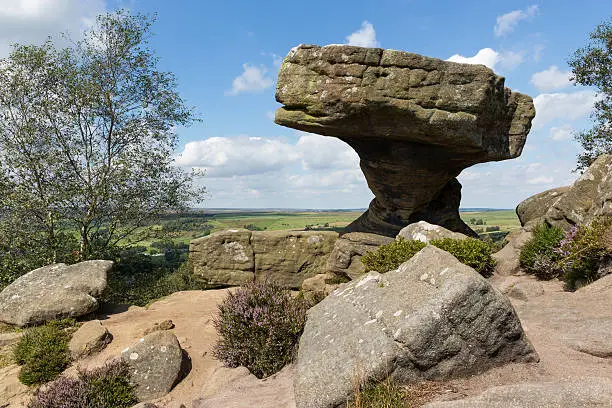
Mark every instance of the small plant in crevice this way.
pixel 584 250
pixel 259 326
pixel 539 256
pixel 470 251
pixel 43 353
pixel 108 386
pixel 390 256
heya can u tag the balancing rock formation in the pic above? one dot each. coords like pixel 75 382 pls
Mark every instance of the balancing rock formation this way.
pixel 415 122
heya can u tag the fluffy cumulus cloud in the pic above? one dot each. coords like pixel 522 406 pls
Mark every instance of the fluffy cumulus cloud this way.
pixel 506 60
pixel 364 37
pixel 32 21
pixel 256 171
pixel 565 106
pixel 252 79
pixel 506 23
pixel 226 157
pixel 551 79
pixel 561 133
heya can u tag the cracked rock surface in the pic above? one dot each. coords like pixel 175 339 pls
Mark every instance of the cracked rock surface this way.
pixel 237 257
pixel 415 122
pixel 432 318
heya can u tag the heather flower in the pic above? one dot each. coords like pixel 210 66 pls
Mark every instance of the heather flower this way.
pixel 259 326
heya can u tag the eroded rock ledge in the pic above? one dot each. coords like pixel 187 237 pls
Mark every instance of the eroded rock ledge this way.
pixel 416 123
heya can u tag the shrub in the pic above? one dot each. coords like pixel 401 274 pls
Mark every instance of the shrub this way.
pixel 583 249
pixel 105 387
pixel 259 327
pixel 388 257
pixel 43 353
pixel 127 283
pixel 538 256
pixel 470 251
pixel 384 394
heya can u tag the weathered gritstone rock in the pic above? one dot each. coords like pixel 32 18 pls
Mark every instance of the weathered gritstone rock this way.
pixel 588 197
pixel 90 338
pixel 415 122
pixel 507 259
pixel 236 257
pixel 574 393
pixel 453 323
pixel 425 232
pixel 345 258
pixel 53 292
pixel 155 364
pixel 532 211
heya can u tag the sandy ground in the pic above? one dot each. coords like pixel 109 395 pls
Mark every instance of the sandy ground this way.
pixel 572 333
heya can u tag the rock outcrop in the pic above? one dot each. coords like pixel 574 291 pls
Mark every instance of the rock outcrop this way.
pixel 53 292
pixel 588 197
pixel 155 364
pixel 345 258
pixel 236 257
pixel 507 259
pixel 415 122
pixel 425 232
pixel 453 323
pixel 592 392
pixel 90 338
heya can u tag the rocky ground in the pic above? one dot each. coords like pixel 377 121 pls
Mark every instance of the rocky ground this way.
pixel 572 333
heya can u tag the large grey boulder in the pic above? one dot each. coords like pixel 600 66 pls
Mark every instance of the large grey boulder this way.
pixel 590 392
pixel 432 318
pixel 345 258
pixel 588 197
pixel 155 364
pixel 236 257
pixel 415 122
pixel 53 292
pixel 532 211
pixel 425 232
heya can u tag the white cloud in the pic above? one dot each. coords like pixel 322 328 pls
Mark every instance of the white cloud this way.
pixel 252 79
pixel 244 155
pixel 32 21
pixel 321 152
pixel 561 133
pixel 364 37
pixel 568 106
pixel 226 157
pixel 541 180
pixel 489 57
pixel 551 79
pixel 243 171
pixel 506 23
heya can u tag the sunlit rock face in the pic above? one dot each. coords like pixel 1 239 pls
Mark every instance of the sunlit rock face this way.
pixel 416 122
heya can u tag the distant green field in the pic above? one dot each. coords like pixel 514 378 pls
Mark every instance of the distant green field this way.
pixel 190 226
pixel 273 221
pixel 506 220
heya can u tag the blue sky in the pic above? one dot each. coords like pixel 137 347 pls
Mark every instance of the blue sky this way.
pixel 226 54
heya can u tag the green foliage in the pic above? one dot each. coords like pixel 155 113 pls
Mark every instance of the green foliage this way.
pixel 87 135
pixel 105 387
pixel 388 257
pixel 259 327
pixel 384 394
pixel 538 255
pixel 592 66
pixel 136 280
pixel 43 353
pixel 584 249
pixel 470 251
